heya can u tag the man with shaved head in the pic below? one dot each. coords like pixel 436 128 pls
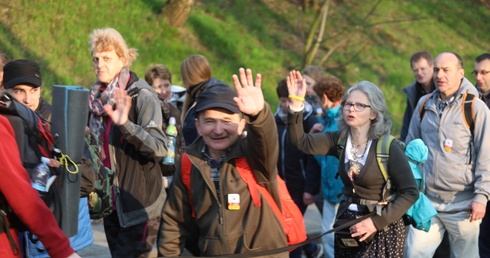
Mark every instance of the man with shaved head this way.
pixel 458 167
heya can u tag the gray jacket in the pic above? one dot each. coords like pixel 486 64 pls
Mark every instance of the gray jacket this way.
pixel 461 171
pixel 135 149
pixel 411 92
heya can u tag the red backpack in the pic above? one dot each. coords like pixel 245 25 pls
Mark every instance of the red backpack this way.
pixel 290 217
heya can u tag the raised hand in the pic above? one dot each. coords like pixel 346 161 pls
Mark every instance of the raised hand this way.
pixel 296 88
pixel 250 98
pixel 120 115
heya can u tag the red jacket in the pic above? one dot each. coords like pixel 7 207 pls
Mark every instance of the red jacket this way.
pixel 16 187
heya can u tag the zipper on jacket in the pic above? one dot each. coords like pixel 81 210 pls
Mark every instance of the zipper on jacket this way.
pixel 303 169
pixel 283 155
pixel 115 190
pixel 220 214
pixel 219 195
pixel 221 222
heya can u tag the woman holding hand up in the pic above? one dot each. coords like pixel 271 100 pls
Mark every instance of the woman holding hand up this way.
pixel 364 120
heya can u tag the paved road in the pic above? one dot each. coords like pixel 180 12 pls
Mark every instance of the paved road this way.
pixel 99 248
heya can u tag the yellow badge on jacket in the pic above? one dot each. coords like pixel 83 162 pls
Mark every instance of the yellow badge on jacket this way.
pixel 448 145
pixel 233 202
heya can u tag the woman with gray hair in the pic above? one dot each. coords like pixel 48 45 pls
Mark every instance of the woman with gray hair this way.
pixel 363 121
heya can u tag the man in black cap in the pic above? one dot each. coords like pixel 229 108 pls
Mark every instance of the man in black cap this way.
pixel 219 204
pixel 22 80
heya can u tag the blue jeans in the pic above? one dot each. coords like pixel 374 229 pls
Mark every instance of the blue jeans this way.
pixel 328 219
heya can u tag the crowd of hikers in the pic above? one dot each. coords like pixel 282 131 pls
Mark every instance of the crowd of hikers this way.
pixel 209 168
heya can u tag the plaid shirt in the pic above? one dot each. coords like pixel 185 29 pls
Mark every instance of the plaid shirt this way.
pixel 215 167
pixel 444 103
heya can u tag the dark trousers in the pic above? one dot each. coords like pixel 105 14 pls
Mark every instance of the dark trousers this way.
pixel 134 241
pixel 444 248
pixel 484 238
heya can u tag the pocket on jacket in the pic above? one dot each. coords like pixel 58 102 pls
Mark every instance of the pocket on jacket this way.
pixel 212 246
pixel 247 244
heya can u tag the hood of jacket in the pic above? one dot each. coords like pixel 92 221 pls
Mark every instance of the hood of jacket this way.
pixel 468 87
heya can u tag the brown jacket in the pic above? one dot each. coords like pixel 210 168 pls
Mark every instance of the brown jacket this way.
pixel 223 231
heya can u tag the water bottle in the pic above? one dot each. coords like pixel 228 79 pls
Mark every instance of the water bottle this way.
pixel 40 175
pixel 171 131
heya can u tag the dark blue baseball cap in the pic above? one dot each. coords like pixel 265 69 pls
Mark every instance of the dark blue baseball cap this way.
pixel 217 96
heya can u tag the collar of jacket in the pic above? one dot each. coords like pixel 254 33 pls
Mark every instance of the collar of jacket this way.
pixel 332 113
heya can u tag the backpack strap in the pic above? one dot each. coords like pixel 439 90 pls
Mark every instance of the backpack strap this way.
pixel 5 224
pixel 469 115
pixel 340 150
pixel 341 145
pixel 134 93
pixel 383 153
pixel 422 107
pixel 383 156
pixel 249 178
pixel 254 188
pixel 186 167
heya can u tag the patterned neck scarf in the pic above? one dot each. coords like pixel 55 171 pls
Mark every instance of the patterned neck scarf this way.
pixel 100 96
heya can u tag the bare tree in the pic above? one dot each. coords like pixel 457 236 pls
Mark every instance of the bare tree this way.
pixel 352 38
pixel 318 25
pixel 176 12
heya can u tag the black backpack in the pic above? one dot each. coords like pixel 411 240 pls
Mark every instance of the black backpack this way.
pixel 34 141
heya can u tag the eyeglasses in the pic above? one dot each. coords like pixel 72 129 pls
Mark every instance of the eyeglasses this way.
pixel 482 72
pixel 357 106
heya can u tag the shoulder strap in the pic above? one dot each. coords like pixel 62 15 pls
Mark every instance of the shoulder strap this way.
pixel 469 115
pixel 422 107
pixel 254 188
pixel 248 177
pixel 134 93
pixel 6 224
pixel 383 156
pixel 341 145
pixel 186 167
pixel 383 153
